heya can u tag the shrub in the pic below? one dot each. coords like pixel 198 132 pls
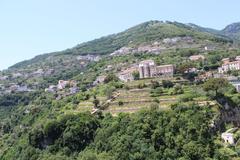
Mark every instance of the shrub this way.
pixel 186 97
pixel 177 90
pixel 167 84
pixel 156 92
pixel 141 85
pixel 111 77
pixel 155 84
pixel 120 103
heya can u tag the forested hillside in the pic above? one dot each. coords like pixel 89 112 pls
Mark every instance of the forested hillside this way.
pixel 96 101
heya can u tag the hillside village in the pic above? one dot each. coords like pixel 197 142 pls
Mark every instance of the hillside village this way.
pixel 177 93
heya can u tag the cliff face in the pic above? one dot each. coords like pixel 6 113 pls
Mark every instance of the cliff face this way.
pixel 229 113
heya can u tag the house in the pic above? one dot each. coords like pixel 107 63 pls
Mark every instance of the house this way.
pixel 204 76
pixel 38 73
pixel 237 58
pixel 74 90
pixel 164 71
pixel 18 88
pixel 229 66
pixel 122 51
pixel 228 138
pixel 209 48
pixel 3 78
pixel 196 57
pixel 49 72
pixel 89 58
pixel 109 68
pixel 23 89
pixel 62 84
pixel 100 79
pixel 148 69
pixel 236 85
pixel 51 89
pixel 127 75
pixel 17 75
pixel 191 70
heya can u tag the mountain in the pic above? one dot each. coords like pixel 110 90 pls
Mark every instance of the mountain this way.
pixel 91 101
pixel 204 29
pixel 232 30
pixel 147 32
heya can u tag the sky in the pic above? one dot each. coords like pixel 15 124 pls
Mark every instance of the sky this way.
pixel 32 27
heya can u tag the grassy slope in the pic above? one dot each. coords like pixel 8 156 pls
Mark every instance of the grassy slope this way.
pixel 144 33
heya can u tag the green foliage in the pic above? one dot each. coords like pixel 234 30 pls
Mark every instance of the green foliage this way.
pixel 156 92
pixel 167 84
pixel 215 84
pixel 157 135
pixel 96 102
pixel 74 132
pixel 155 84
pixel 177 89
pixel 141 85
pixel 136 75
pixel 111 78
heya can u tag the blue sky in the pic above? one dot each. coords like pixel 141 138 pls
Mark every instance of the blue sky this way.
pixel 32 27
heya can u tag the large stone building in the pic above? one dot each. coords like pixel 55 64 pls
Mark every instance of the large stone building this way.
pixel 127 75
pixel 148 69
pixel 229 65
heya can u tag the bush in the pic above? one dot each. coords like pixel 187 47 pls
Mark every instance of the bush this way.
pixel 186 97
pixel 136 75
pixel 155 84
pixel 154 106
pixel 141 85
pixel 156 92
pixel 111 77
pixel 177 90
pixel 120 103
pixel 156 100
pixel 167 84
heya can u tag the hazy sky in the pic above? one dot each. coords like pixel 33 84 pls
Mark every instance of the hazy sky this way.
pixel 32 27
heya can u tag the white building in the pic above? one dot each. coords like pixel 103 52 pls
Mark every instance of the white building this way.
pixel 196 57
pixel 228 138
pixel 229 66
pixel 99 79
pixel 62 84
pixel 51 89
pixel 236 84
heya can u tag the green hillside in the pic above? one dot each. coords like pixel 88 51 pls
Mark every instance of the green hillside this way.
pixel 147 32
pixel 73 105
pixel 232 30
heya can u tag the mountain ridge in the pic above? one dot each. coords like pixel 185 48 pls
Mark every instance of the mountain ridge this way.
pixel 142 33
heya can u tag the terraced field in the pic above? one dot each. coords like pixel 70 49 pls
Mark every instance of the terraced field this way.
pixel 137 99
pixel 133 98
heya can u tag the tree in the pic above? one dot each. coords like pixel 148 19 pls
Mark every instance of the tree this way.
pixel 184 67
pixel 96 102
pixel 215 84
pixel 136 75
pixel 167 84
pixel 155 84
pixel 111 77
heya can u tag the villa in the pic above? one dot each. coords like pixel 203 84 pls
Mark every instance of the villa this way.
pixel 127 75
pixel 229 65
pixel 196 57
pixel 148 69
